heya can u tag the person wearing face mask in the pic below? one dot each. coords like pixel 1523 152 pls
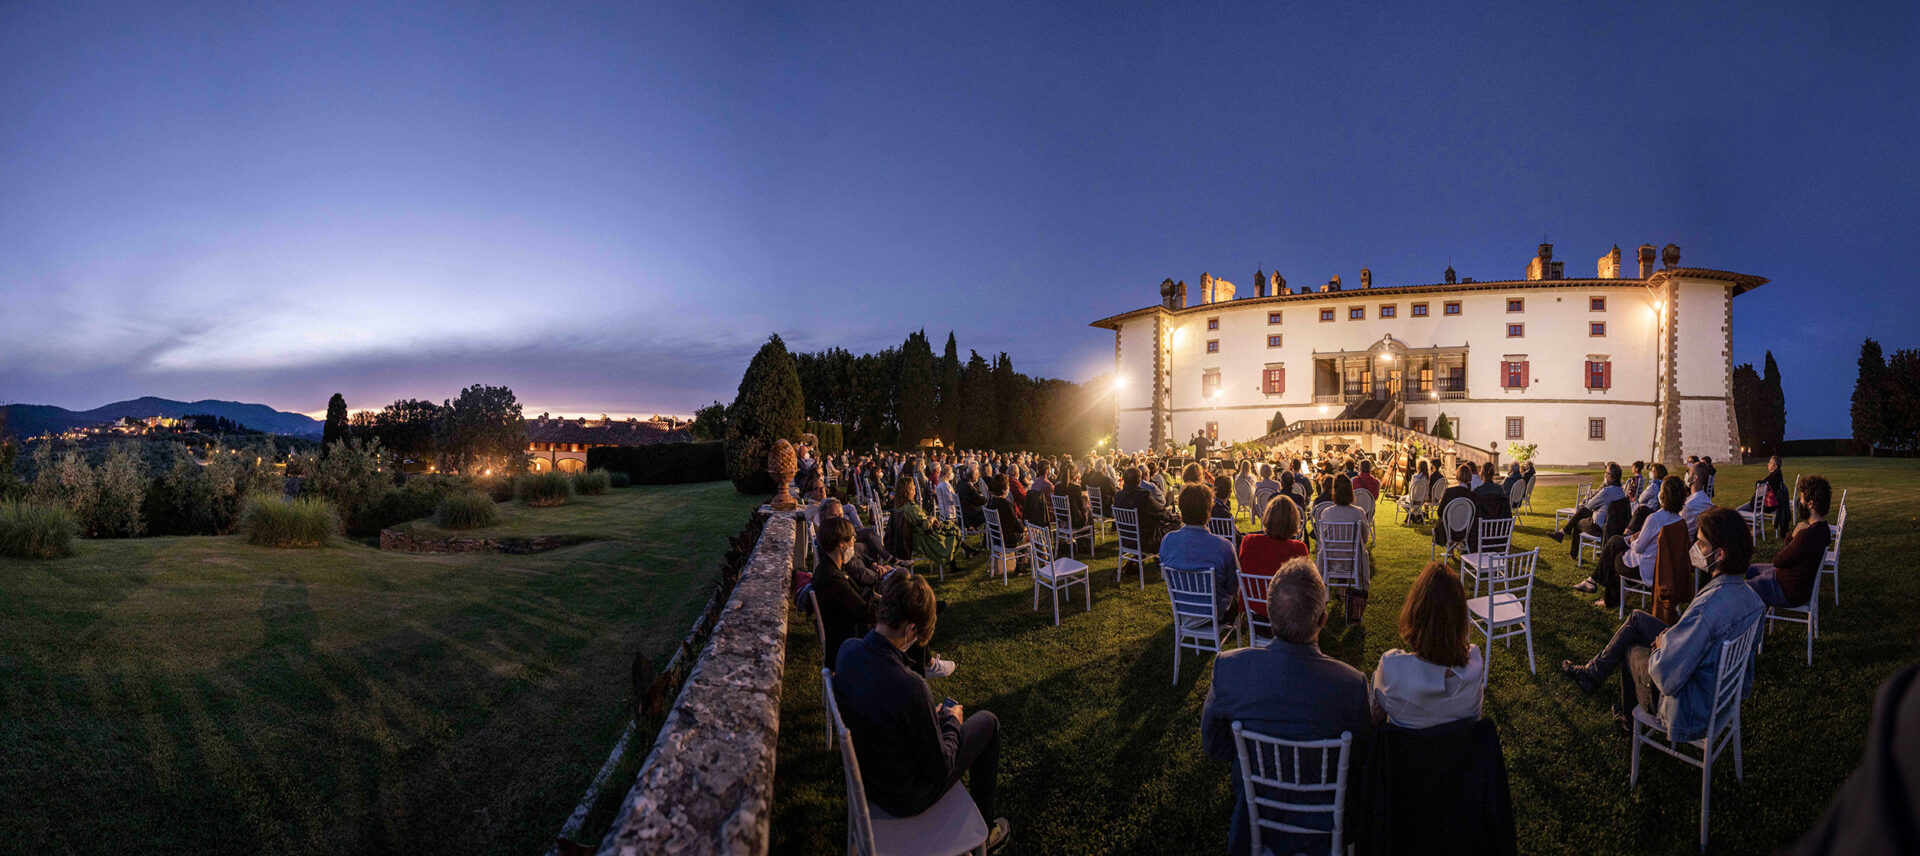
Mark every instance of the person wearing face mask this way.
pixel 911 750
pixel 1671 671
pixel 848 591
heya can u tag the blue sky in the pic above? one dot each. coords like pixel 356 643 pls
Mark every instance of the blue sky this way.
pixel 608 207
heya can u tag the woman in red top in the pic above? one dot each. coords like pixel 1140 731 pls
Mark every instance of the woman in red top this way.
pixel 1262 554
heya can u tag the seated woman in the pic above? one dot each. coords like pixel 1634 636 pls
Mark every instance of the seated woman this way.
pixel 1262 553
pixel 846 608
pixel 1438 677
pixel 936 540
pixel 1671 671
pixel 1079 507
pixel 1793 577
pixel 1344 511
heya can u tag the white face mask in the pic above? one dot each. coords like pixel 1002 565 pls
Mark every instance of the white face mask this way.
pixel 846 553
pixel 1698 556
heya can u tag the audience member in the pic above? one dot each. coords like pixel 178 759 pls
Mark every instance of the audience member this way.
pixel 1193 548
pixel 1590 517
pixel 1441 537
pixel 1262 553
pixel 1774 500
pixel 1438 677
pixel 1365 480
pixel 1793 576
pixel 1154 520
pixel 1697 502
pixel 1634 554
pixel 1344 511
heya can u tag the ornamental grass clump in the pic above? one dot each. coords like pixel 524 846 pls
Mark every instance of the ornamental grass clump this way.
pixel 275 521
pixel 591 483
pixel 466 510
pixel 544 490
pixel 34 530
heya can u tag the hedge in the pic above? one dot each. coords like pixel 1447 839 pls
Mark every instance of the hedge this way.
pixel 831 435
pixel 663 463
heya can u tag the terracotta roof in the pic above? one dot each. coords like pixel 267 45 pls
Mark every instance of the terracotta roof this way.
pixel 612 433
pixel 1742 283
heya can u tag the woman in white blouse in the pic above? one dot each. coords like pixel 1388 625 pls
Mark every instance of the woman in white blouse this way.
pixel 1438 677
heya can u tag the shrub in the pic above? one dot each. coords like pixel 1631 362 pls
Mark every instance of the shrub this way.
pixel 768 408
pixel 543 490
pixel 591 483
pixel 663 463
pixel 419 497
pixel 501 488
pixel 275 521
pixel 468 509
pixel 34 530
pixel 619 479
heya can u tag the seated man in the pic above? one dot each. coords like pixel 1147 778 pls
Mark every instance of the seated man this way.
pixel 1671 672
pixel 1590 517
pixel 1154 520
pixel 1792 579
pixel 1287 689
pixel 972 504
pixel 1699 501
pixel 1634 554
pixel 1647 501
pixel 1513 477
pixel 1460 490
pixel 872 553
pixel 1193 548
pixel 912 751
pixel 1365 480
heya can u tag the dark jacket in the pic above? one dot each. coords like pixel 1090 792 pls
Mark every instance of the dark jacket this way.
pixel 1012 529
pixel 1878 809
pixel 1408 810
pixel 1077 504
pixel 1458 491
pixel 972 502
pixel 845 610
pixel 1154 519
pixel 906 748
pixel 1104 482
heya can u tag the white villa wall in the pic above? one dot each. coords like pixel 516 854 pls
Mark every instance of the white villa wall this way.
pixel 1134 365
pixel 1702 367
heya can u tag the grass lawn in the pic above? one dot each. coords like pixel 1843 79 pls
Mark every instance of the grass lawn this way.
pixel 1101 750
pixel 201 695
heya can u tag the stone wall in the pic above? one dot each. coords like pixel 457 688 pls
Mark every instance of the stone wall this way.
pixel 409 542
pixel 707 786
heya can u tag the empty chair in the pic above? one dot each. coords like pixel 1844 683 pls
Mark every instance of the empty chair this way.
pixel 1063 526
pixel 951 827
pixel 1500 604
pixel 1496 536
pixel 1000 558
pixel 1052 573
pixel 1294 787
pixel 1830 563
pixel 1126 528
pixel 1197 622
pixel 1102 513
pixel 1723 728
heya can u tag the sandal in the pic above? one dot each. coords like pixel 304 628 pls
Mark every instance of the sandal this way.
pixel 1586 585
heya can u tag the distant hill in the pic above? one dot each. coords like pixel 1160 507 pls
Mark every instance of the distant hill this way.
pixel 30 420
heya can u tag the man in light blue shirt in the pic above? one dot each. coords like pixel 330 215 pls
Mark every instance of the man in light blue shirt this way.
pixel 1193 548
pixel 1699 501
pixel 1591 516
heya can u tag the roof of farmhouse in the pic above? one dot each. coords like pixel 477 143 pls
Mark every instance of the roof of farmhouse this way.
pixel 1542 272
pixel 606 432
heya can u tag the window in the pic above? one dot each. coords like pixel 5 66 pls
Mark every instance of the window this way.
pixel 1273 381
pixel 1599 374
pixel 1451 307
pixel 1597 329
pixel 1516 304
pixel 1213 323
pixel 1389 311
pixel 1326 315
pixel 1213 346
pixel 1210 384
pixel 1273 341
pixel 1356 313
pixel 1213 430
pixel 1514 374
pixel 1273 318
pixel 1516 428
pixel 1515 331
pixel 1596 304
pixel 1417 423
pixel 1596 429
pixel 1419 310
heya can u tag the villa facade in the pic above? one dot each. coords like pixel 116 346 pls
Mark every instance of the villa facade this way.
pixel 562 444
pixel 1617 367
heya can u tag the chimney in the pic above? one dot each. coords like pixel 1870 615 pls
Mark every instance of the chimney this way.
pixel 1180 294
pixel 1451 276
pixel 1541 267
pixel 1332 284
pixel 1280 284
pixel 1670 256
pixel 1366 278
pixel 1166 293
pixel 1260 283
pixel 1609 265
pixel 1556 270
pixel 1206 288
pixel 1646 261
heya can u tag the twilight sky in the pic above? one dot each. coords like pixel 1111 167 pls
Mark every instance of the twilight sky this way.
pixel 608 207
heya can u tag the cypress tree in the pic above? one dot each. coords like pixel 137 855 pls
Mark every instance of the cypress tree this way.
pixel 336 425
pixel 768 407
pixel 1775 413
pixel 1870 391
pixel 914 387
pixel 1442 428
pixel 949 392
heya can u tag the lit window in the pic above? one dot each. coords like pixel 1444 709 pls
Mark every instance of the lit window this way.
pixel 1273 318
pixel 1516 304
pixel 1597 328
pixel 1596 429
pixel 1451 307
pixel 1213 346
pixel 1419 310
pixel 1515 331
pixel 1326 315
pixel 1516 428
pixel 1389 311
pixel 1357 313
pixel 1213 323
pixel 1273 341
pixel 1209 384
pixel 1417 423
pixel 1596 304
pixel 1274 381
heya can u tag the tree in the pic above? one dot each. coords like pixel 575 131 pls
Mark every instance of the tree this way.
pixel 1773 416
pixel 1006 399
pixel 1748 395
pixel 948 389
pixel 483 430
pixel 768 407
pixel 1902 402
pixel 979 418
pixel 1442 428
pixel 408 427
pixel 1278 423
pixel 336 425
pixel 353 476
pixel 9 452
pixel 122 490
pixel 710 423
pixel 1870 392
pixel 915 388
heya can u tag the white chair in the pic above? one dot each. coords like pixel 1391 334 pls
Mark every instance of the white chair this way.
pixel 879 516
pixel 951 827
pixel 1757 516
pixel 1000 559
pixel 1338 554
pixel 1126 527
pixel 1589 541
pixel 1225 528
pixel 1253 589
pixel 1723 727
pixel 1283 786
pixel 1830 563
pixel 1496 537
pixel 1063 527
pixel 826 674
pixel 1053 574
pixel 1580 494
pixel 1102 516
pixel 1260 499
pixel 1243 499
pixel 1501 605
pixel 1632 585
pixel 1456 518
pixel 1809 614
pixel 1517 496
pixel 1196 620
pixel 1363 498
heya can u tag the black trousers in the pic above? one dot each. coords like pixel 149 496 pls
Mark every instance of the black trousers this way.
pixel 1632 646
pixel 979 754
pixel 1612 565
pixel 1640 515
pixel 1582 523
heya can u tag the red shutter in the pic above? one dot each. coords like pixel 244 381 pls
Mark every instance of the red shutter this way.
pixel 1606 375
pixel 1526 373
pixel 1283 381
pixel 1505 369
pixel 1588 381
